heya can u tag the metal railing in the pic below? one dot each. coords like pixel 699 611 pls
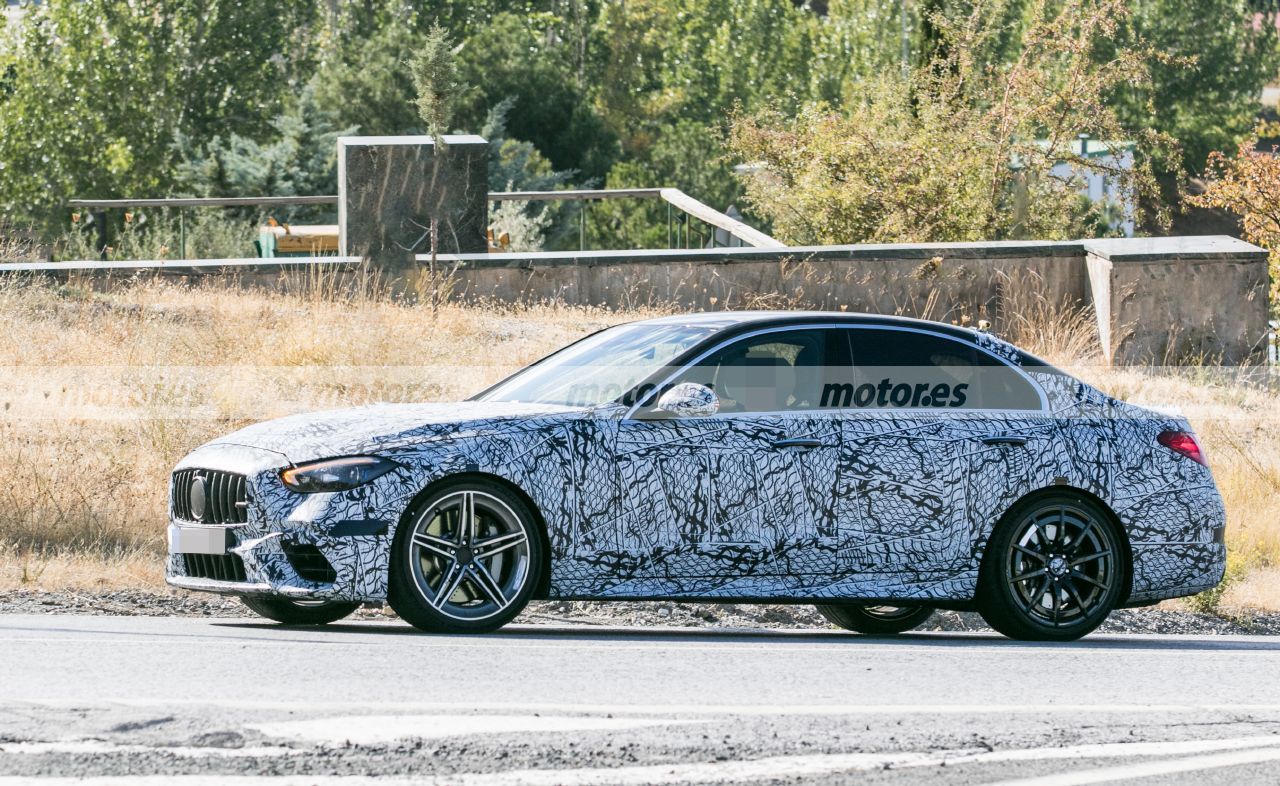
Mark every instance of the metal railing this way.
pixel 99 206
pixel 675 199
pixel 206 202
pixel 680 207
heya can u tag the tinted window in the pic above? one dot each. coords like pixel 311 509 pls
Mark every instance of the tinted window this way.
pixel 772 372
pixel 906 369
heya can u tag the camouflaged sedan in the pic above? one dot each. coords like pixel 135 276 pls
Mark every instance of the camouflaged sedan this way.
pixel 876 467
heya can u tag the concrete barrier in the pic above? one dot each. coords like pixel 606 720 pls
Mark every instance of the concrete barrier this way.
pixel 1180 299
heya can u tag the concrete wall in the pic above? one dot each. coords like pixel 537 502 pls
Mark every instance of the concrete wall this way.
pixel 934 281
pixel 389 187
pixel 1180 299
pixel 1157 300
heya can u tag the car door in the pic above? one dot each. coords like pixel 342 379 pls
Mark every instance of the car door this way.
pixel 927 418
pixel 746 493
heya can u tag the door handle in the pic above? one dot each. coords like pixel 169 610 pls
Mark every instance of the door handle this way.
pixel 1004 439
pixel 800 442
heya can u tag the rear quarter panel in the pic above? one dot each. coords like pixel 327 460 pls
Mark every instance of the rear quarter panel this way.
pixel 1167 505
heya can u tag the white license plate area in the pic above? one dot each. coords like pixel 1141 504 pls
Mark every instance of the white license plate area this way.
pixel 199 540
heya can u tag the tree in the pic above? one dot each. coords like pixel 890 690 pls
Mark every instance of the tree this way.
pixel 667 72
pixel 533 60
pixel 516 165
pixel 298 157
pixel 963 149
pixel 439 84
pixel 96 91
pixel 1204 91
pixel 1249 186
pixel 663 61
pixel 361 80
pixel 437 80
pixel 689 156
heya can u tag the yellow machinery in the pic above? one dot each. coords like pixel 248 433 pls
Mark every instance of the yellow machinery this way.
pixel 284 240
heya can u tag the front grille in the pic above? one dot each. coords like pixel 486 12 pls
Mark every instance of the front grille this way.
pixel 220 567
pixel 226 496
pixel 309 563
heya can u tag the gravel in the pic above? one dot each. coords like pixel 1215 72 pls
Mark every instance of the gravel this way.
pixel 705 615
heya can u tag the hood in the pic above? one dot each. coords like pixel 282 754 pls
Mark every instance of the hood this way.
pixel 362 430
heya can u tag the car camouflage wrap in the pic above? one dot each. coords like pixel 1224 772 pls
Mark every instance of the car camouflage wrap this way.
pixel 895 503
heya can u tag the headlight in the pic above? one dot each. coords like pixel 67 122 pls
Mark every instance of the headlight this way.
pixel 336 474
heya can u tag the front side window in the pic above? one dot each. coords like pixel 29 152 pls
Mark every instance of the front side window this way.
pixel 776 371
pixel 911 369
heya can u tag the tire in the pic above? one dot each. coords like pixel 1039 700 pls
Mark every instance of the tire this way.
pixel 298 612
pixel 466 559
pixel 1053 569
pixel 876 620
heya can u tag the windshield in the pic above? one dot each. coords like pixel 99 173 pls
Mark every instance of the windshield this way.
pixel 601 367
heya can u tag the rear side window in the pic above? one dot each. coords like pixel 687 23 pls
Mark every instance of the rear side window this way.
pixel 909 369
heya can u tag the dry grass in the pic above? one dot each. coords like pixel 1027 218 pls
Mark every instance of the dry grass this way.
pixel 101 393
pixel 19 244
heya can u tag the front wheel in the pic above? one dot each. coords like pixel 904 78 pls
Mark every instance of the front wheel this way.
pixel 298 612
pixel 876 620
pixel 466 560
pixel 1053 570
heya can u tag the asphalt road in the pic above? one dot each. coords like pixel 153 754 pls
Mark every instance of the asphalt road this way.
pixel 174 700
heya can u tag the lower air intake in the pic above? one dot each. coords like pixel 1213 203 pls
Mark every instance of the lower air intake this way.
pixel 219 567
pixel 309 563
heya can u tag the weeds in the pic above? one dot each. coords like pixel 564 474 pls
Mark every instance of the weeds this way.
pixel 162 234
pixel 19 245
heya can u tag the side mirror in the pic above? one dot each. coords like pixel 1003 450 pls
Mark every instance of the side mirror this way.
pixel 689 400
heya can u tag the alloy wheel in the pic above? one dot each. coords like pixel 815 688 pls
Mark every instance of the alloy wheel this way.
pixel 877 620
pixel 1062 565
pixel 469 555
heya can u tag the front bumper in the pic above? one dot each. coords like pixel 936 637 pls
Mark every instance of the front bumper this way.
pixel 274 563
pixel 220 587
pixel 314 546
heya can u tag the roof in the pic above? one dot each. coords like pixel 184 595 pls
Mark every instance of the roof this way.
pixel 724 320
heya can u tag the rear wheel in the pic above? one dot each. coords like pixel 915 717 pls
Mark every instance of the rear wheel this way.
pixel 466 560
pixel 298 612
pixel 1053 570
pixel 879 620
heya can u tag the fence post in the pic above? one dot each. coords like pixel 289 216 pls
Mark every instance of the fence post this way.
pixel 100 221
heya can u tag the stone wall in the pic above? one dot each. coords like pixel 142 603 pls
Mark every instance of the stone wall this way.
pixel 1180 299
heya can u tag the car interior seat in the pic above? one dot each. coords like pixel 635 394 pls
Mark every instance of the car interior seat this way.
pixel 755 382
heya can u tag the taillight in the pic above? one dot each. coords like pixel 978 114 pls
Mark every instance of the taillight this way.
pixel 1182 443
